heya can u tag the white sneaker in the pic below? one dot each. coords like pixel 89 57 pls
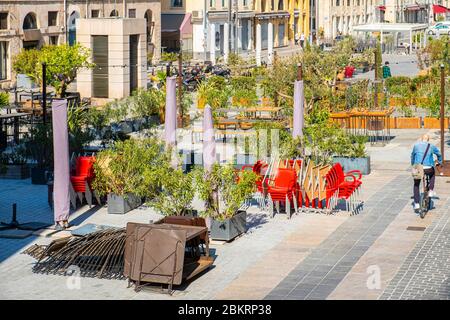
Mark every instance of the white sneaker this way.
pixel 416 206
pixel 431 194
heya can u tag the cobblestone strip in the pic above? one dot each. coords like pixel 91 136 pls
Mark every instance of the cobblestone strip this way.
pixel 425 272
pixel 320 273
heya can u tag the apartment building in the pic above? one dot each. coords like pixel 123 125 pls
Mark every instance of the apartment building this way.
pixel 235 25
pixel 337 17
pixel 34 23
pixel 415 11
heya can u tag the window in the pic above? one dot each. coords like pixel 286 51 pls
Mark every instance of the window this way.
pixel 29 22
pixel 131 13
pixel 52 18
pixel 95 13
pixel 53 40
pixel 3 59
pixel 212 3
pixel 176 3
pixel 281 5
pixel 244 3
pixel 3 20
pixel 114 13
pixel 224 3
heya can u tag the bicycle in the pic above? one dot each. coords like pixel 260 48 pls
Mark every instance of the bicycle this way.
pixel 425 201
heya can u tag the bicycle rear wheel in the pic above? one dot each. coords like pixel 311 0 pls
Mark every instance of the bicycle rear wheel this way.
pixel 425 204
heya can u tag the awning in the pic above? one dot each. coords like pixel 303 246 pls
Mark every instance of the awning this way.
pixel 439 9
pixel 32 35
pixel 171 22
pixel 186 25
pixel 412 7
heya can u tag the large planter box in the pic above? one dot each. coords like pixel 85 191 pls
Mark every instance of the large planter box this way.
pixel 15 171
pixel 348 164
pixel 229 229
pixel 407 123
pixel 39 176
pixel 434 123
pixel 122 204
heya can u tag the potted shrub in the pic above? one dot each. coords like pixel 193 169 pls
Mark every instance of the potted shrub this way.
pixel 14 165
pixel 353 155
pixel 224 192
pixel 175 194
pixel 434 111
pixel 39 147
pixel 408 121
pixel 129 171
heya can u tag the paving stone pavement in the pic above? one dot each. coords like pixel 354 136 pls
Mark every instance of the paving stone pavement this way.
pixel 425 274
pixel 317 276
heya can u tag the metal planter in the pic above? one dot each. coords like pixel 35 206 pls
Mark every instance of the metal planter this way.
pixel 39 176
pixel 229 229
pixel 122 204
pixel 361 164
pixel 15 171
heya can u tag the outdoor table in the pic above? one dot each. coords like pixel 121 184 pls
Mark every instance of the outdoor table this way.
pixel 155 253
pixel 192 232
pixel 14 118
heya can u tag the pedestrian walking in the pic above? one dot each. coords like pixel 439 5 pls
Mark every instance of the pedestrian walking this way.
pixel 386 70
pixel 302 39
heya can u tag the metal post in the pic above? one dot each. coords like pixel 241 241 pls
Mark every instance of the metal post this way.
pixel 375 84
pixel 180 84
pixel 168 69
pixel 44 93
pixel 442 114
pixel 299 72
pixel 205 31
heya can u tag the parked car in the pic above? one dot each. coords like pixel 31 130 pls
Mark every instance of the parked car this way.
pixel 440 28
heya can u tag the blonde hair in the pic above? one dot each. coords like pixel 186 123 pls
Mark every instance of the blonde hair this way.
pixel 426 138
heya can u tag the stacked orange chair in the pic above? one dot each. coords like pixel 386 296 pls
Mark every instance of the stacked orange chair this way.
pixel 339 186
pixel 257 168
pixel 284 187
pixel 84 173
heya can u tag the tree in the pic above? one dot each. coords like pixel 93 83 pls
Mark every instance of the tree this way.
pixel 63 63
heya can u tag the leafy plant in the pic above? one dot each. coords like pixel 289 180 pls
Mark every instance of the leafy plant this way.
pixel 4 99
pixel 169 57
pixel 39 145
pixel 131 166
pixel 223 190
pixel 63 64
pixel 17 156
pixel 176 193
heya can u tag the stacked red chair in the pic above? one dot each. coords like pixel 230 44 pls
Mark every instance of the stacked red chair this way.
pixel 284 188
pixel 342 185
pixel 257 168
pixel 84 173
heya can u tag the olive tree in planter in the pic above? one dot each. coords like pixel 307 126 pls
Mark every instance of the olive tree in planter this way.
pixel 353 154
pixel 14 165
pixel 175 194
pixel 39 147
pixel 224 192
pixel 129 171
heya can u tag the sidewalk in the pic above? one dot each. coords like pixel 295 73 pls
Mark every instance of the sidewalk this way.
pixel 310 256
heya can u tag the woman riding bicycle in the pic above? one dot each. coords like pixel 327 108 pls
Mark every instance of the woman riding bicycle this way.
pixel 422 153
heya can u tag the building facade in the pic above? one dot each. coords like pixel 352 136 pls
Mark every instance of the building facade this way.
pixel 226 27
pixel 118 50
pixel 337 17
pixel 235 25
pixel 34 23
pixel 415 11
